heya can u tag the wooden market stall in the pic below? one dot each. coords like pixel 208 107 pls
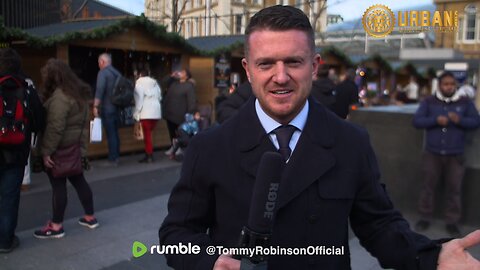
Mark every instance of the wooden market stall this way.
pixel 133 42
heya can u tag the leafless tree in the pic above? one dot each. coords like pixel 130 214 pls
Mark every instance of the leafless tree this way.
pixel 317 11
pixel 174 13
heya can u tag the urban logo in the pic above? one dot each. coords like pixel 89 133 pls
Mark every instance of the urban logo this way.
pixel 138 249
pixel 379 21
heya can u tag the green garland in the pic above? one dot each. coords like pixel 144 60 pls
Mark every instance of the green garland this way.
pixel 382 63
pixel 334 51
pixel 230 48
pixel 157 32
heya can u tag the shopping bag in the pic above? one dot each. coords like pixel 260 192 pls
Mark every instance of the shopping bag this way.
pixel 96 130
pixel 138 131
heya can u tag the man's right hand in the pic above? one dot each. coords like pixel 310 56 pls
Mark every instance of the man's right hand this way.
pixel 442 120
pixel 225 262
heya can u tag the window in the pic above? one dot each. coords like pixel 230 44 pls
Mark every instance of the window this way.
pixel 281 2
pixel 238 24
pixel 470 22
pixel 256 2
pixel 188 30
pixel 298 3
pixel 195 28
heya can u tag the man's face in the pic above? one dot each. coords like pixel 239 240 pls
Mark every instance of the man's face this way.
pixel 101 63
pixel 448 86
pixel 182 75
pixel 280 66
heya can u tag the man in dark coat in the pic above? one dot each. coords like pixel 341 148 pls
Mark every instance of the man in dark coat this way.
pixel 346 94
pixel 230 106
pixel 330 178
pixel 323 88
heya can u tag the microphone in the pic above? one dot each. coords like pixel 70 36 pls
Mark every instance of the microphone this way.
pixel 262 209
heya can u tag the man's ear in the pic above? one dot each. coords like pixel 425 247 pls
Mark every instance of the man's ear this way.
pixel 316 62
pixel 245 66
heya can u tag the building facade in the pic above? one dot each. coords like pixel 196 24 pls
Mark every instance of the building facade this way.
pixel 196 18
pixel 29 13
pixel 467 38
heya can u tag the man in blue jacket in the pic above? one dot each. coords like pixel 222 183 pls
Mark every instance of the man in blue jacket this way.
pixel 446 116
pixel 104 108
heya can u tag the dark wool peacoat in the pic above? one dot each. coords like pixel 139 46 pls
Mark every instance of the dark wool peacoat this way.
pixel 331 178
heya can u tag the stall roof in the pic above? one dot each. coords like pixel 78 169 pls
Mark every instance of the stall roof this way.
pixel 59 29
pixel 69 31
pixel 213 44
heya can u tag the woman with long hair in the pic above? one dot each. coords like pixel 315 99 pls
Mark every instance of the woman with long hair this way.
pixel 66 101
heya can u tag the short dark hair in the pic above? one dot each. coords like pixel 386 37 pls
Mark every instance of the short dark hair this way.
pixel 10 61
pixel 444 75
pixel 280 18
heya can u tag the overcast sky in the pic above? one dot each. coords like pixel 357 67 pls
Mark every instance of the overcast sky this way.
pixel 349 9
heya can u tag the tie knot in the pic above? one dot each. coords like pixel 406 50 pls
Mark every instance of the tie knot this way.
pixel 284 134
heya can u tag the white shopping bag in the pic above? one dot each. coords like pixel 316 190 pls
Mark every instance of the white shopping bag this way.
pixel 96 130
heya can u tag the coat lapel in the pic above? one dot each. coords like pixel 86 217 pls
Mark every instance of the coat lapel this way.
pixel 252 139
pixel 312 156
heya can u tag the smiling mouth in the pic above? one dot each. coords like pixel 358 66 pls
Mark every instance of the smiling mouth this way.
pixel 281 92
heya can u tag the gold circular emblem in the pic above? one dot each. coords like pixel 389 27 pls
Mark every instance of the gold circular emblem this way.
pixel 378 21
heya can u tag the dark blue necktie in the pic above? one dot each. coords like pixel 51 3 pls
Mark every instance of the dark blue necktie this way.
pixel 284 134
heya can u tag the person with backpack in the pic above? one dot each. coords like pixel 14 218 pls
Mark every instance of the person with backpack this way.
pixel 105 109
pixel 67 110
pixel 21 113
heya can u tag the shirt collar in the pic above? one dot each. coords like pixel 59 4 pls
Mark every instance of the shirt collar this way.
pixel 269 124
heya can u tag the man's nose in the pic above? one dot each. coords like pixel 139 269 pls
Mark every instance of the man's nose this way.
pixel 281 74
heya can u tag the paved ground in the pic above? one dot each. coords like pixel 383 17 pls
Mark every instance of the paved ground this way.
pixel 130 203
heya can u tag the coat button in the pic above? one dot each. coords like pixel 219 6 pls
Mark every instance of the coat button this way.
pixel 312 219
pixel 444 130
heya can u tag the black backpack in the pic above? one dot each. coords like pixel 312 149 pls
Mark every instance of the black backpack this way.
pixel 122 95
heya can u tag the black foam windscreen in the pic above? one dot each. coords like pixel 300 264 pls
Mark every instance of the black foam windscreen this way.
pixel 265 193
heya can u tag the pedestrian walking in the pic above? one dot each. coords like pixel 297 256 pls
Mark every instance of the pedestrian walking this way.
pixel 67 110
